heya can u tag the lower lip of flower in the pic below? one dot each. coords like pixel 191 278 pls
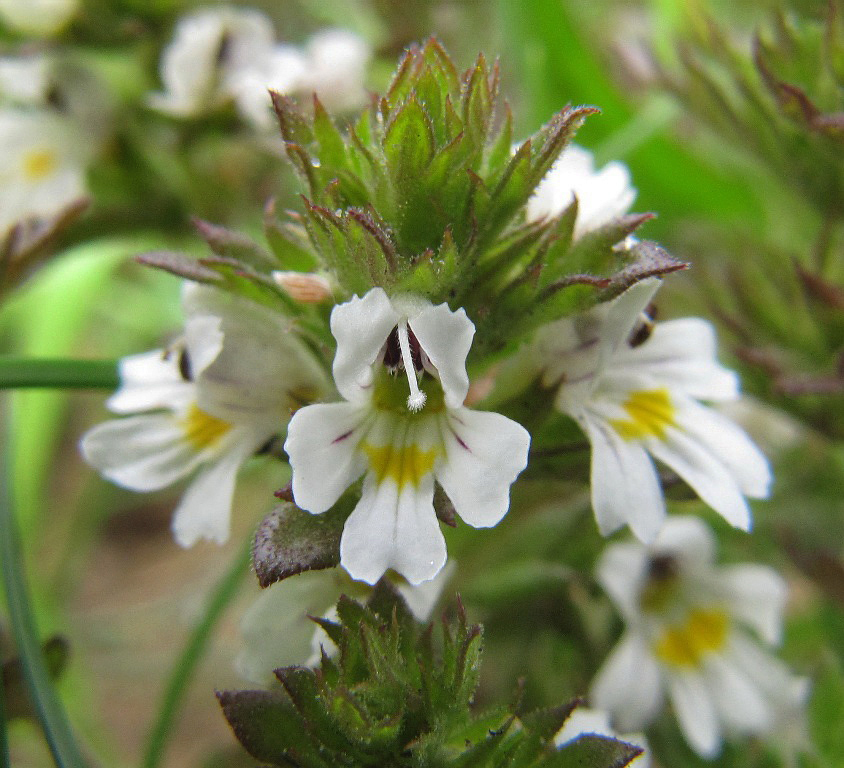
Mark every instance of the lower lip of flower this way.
pixel 685 644
pixel 202 430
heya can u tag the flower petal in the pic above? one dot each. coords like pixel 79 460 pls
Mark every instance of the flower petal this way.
pixel 705 473
pixel 625 487
pixel 757 596
pixel 621 315
pixel 361 326
pixel 143 453
pixel 680 355
pixel 689 539
pixel 446 338
pixel 203 341
pixel 695 712
pixel 621 571
pixel 629 684
pixel 730 444
pixel 262 370
pixel 150 380
pixel 322 446
pixel 205 509
pixel 485 452
pixel 393 529
pixel 741 706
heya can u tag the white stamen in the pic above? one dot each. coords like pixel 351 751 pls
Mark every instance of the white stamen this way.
pixel 416 399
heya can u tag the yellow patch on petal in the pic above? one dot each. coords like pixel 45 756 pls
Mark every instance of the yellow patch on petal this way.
pixel 404 465
pixel 685 645
pixel 39 163
pixel 203 430
pixel 650 413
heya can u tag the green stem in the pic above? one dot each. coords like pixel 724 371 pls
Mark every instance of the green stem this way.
pixel 51 714
pixel 21 372
pixel 191 655
pixel 5 761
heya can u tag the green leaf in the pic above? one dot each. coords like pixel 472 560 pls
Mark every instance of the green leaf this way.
pixel 179 264
pixel 270 728
pixel 409 145
pixel 233 245
pixel 545 723
pixel 590 751
pixel 290 541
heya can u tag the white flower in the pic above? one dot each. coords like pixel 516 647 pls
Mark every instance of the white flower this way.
pixel 24 80
pixel 634 388
pixel 226 55
pixel 210 50
pixel 601 195
pixel 402 442
pixel 693 631
pixel 278 632
pixel 332 64
pixel 41 167
pixel 40 18
pixel 208 405
pixel 585 721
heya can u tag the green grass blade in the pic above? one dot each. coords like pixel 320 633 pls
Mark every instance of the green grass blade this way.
pixel 26 372
pixel 49 709
pixel 191 655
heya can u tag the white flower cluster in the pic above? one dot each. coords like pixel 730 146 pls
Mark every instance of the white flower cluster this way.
pixel 223 55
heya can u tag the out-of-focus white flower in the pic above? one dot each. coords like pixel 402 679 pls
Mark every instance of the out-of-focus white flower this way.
pixel 39 18
pixel 224 55
pixel 697 632
pixel 402 442
pixel 211 48
pixel 24 80
pixel 634 388
pixel 336 68
pixel 208 405
pixel 601 195
pixel 332 65
pixel 41 166
pixel 585 721
pixel 277 631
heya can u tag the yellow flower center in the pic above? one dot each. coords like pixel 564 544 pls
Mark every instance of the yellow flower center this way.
pixel 650 413
pixel 39 163
pixel 685 645
pixel 403 464
pixel 203 430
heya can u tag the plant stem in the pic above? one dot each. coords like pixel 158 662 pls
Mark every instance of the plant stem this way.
pixel 20 372
pixel 4 744
pixel 49 709
pixel 191 655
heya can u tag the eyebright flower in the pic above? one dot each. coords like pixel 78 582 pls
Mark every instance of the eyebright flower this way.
pixel 602 196
pixel 633 386
pixel 42 165
pixel 401 367
pixel 210 49
pixel 332 64
pixel 697 632
pixel 585 721
pixel 208 403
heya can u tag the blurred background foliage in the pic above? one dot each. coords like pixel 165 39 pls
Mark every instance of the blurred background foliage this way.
pixel 730 116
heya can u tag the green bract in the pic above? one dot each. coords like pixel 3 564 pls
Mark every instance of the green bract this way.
pixel 399 694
